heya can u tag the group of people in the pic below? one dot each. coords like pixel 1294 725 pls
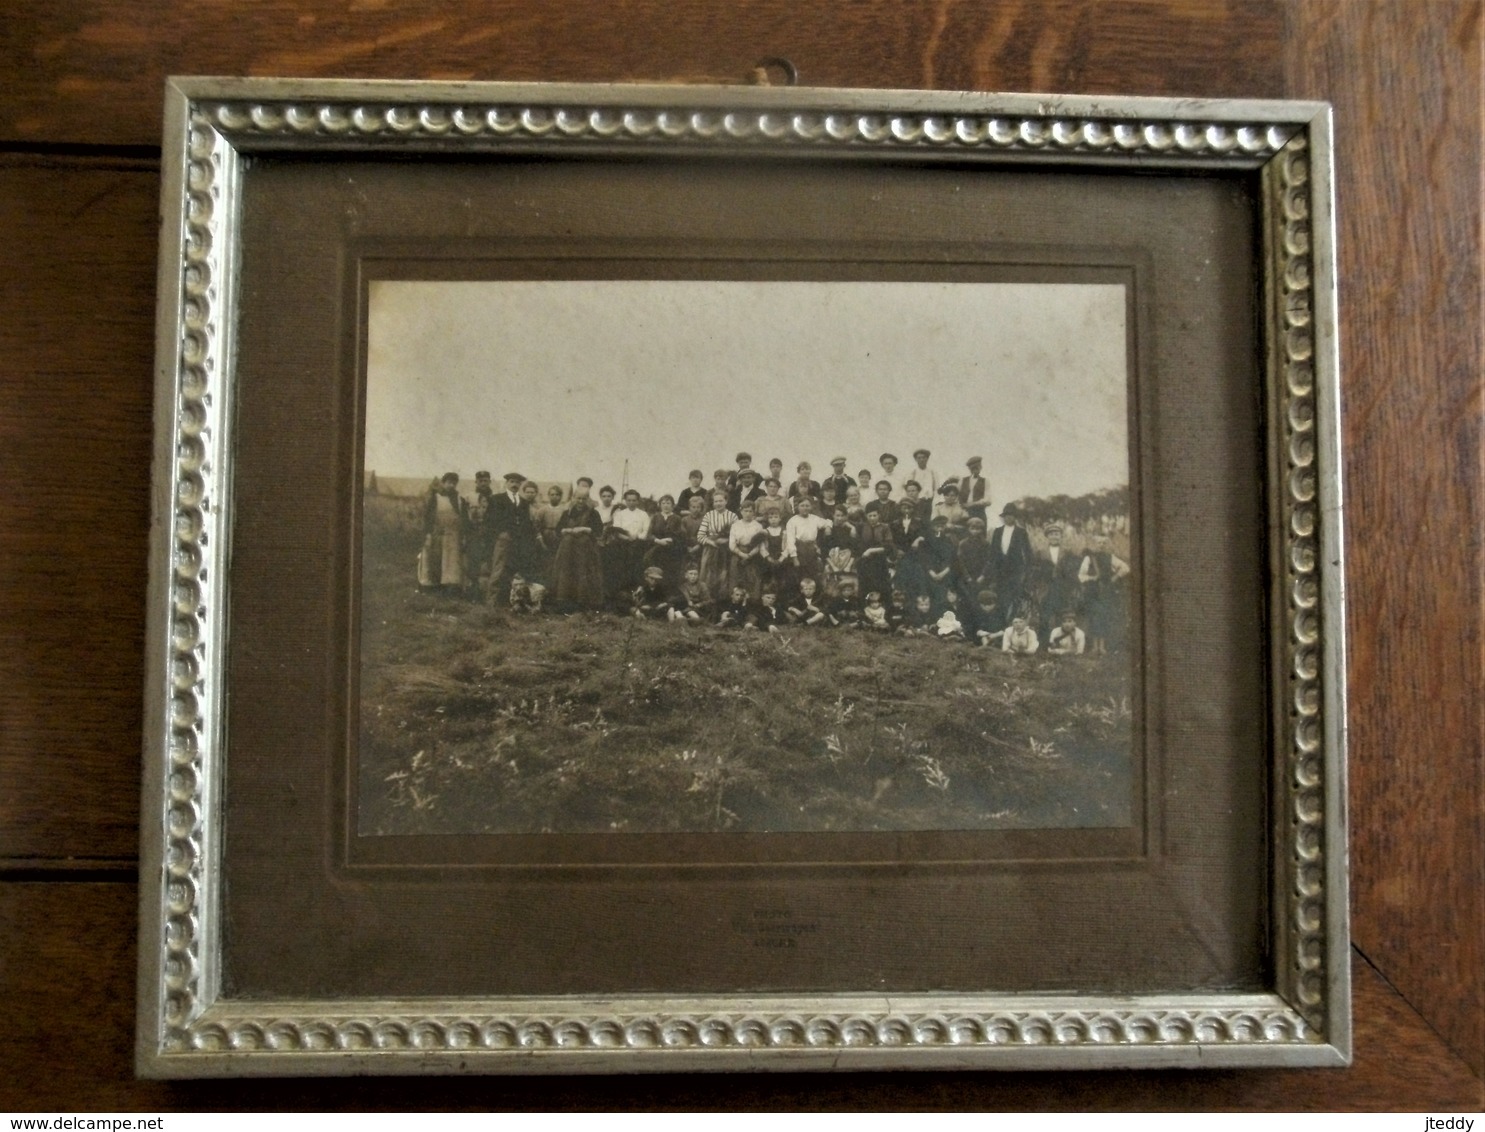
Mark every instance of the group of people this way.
pixel 892 551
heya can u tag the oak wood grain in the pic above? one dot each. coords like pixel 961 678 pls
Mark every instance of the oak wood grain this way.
pixel 77 296
pixel 1405 81
pixel 73 983
pixel 93 71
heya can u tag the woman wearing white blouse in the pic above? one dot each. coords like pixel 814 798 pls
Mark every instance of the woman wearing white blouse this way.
pixel 745 542
pixel 801 538
pixel 629 530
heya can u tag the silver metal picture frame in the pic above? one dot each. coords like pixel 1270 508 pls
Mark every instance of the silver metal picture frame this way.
pixel 193 1022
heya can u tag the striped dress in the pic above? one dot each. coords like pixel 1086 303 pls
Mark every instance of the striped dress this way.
pixel 716 561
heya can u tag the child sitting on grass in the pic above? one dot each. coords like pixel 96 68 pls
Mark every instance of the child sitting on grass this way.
pixel 918 620
pixel 845 610
pixel 805 608
pixel 526 597
pixel 948 628
pixel 652 599
pixel 737 612
pixel 769 614
pixel 987 623
pixel 693 603
pixel 1020 638
pixel 1067 639
pixel 874 615
pixel 898 607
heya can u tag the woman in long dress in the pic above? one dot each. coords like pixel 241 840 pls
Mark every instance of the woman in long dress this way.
pixel 628 536
pixel 691 532
pixel 1101 576
pixel 527 556
pixel 667 542
pixel 842 555
pixel 577 572
pixel 716 568
pixel 874 562
pixel 746 542
pixel 938 559
pixel 445 516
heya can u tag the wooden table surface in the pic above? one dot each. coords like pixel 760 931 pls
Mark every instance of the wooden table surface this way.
pixel 80 108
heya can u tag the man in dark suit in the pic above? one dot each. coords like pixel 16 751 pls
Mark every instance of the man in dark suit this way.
pixel 838 481
pixel 1054 579
pixel 1010 560
pixel 746 490
pixel 505 517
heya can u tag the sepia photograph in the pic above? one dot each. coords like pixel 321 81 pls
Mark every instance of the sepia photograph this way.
pixel 647 556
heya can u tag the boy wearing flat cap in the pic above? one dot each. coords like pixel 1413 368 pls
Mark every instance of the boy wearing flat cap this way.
pixel 1055 579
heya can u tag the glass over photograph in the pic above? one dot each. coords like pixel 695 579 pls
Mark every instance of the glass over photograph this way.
pixel 647 556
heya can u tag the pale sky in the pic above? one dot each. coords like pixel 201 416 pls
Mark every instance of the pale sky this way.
pixel 557 379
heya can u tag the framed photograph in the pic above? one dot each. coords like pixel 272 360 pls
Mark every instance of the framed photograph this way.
pixel 711 578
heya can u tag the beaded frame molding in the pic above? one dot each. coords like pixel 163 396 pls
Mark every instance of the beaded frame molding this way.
pixel 187 1027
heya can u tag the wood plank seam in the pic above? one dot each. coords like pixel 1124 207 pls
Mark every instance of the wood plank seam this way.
pixel 129 156
pixel 103 870
pixel 1423 1020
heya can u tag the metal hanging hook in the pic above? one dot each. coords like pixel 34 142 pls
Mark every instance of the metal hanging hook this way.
pixel 763 71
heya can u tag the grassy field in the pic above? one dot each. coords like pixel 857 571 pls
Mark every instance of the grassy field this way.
pixel 474 720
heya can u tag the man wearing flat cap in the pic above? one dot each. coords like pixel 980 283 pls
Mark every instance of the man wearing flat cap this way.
pixel 838 481
pixel 746 490
pixel 1054 578
pixel 974 490
pixel 506 515
pixel 921 474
